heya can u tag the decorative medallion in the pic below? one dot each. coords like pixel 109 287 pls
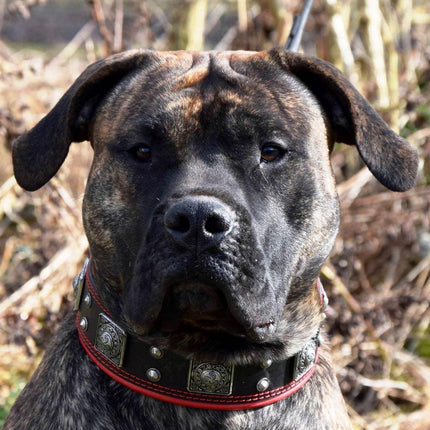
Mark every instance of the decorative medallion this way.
pixel 305 359
pixel 210 378
pixel 110 339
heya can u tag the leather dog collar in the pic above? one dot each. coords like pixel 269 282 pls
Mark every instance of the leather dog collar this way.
pixel 167 376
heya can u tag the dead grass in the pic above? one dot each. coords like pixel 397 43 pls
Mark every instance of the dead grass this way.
pixel 378 276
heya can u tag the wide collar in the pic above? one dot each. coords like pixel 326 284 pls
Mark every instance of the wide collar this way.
pixel 167 376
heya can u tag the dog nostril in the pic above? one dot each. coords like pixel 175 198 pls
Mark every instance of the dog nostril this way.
pixel 215 224
pixel 177 221
pixel 180 224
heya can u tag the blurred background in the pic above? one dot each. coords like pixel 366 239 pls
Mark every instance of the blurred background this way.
pixel 378 276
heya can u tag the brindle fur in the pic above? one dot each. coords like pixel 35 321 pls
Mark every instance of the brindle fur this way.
pixel 250 296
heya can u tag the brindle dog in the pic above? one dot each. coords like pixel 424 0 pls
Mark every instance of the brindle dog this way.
pixel 209 209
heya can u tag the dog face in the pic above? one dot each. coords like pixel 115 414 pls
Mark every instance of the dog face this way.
pixel 207 148
pixel 211 206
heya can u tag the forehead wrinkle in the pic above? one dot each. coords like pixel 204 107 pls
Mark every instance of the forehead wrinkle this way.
pixel 210 66
pixel 181 70
pixel 186 86
pixel 198 71
pixel 221 66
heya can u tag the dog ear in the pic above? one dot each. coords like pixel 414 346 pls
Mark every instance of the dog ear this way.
pixel 38 154
pixel 391 159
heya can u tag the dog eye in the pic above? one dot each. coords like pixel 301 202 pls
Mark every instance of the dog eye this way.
pixel 141 153
pixel 271 152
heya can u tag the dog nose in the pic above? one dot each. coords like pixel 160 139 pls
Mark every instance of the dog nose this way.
pixel 198 223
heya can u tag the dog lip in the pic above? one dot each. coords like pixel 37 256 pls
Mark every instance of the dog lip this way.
pixel 203 326
pixel 265 325
pixel 262 332
pixel 196 305
pixel 213 326
pixel 194 294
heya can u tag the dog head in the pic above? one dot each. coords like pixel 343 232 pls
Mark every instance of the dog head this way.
pixel 211 205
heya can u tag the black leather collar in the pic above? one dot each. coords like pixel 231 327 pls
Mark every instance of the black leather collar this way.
pixel 167 376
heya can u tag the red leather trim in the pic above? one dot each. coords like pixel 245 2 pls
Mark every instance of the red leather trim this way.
pixel 185 398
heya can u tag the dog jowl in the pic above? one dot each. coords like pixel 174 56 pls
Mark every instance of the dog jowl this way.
pixel 210 208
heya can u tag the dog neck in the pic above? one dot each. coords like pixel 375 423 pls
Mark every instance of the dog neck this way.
pixel 169 377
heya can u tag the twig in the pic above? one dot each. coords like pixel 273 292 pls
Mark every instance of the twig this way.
pixel 118 26
pixel 7 186
pixel 330 273
pixel 2 10
pixel 242 16
pixel 424 264
pixel 419 134
pixel 351 188
pixel 227 39
pixel 99 17
pixel 78 39
pixel 23 7
pixel 66 198
pixel 9 249
pixel 390 385
pixel 61 258
pixel 390 276
pixel 341 36
pixel 214 16
pixel 373 28
pixel 195 24
pixel 388 197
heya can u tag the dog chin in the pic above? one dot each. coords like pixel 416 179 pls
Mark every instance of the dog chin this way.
pixel 219 338
pixel 213 343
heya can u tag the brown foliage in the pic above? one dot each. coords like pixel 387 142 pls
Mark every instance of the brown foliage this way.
pixel 378 276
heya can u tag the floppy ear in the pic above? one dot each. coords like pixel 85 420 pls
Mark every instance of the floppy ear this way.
pixel 38 154
pixel 391 159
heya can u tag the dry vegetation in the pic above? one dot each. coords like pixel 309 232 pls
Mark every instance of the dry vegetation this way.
pixel 378 277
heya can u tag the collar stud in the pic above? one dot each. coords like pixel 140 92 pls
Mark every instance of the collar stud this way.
pixel 156 352
pixel 84 324
pixel 153 374
pixel 266 364
pixel 87 300
pixel 263 384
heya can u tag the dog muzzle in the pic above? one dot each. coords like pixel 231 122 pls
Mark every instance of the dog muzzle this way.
pixel 167 376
